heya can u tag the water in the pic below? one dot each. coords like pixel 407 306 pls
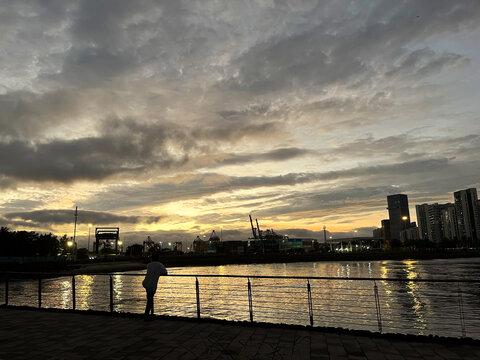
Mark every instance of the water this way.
pixel 406 306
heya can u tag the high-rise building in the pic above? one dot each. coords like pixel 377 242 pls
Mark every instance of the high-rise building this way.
pixel 386 229
pixel 449 222
pixel 398 214
pixel 435 221
pixel 410 234
pixel 468 218
pixel 422 220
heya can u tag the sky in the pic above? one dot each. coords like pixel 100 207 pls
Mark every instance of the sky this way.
pixel 176 118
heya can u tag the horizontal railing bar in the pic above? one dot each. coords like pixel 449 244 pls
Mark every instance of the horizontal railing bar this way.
pixel 278 318
pixel 282 311
pixel 278 297
pixel 39 274
pixel 286 302
pixel 314 286
pixel 328 297
pixel 367 321
pixel 257 291
pixel 343 311
pixel 206 296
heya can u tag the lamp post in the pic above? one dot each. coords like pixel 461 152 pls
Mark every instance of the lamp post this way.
pixel 73 245
pixel 88 245
pixel 120 243
pixel 405 218
pixel 221 232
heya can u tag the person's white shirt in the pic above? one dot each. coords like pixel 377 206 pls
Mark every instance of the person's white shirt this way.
pixel 154 270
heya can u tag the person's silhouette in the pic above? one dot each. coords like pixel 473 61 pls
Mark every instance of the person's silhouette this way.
pixel 154 269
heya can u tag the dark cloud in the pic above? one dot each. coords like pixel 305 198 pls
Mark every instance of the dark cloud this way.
pixel 349 55
pixel 208 184
pixel 274 155
pixel 26 114
pixel 424 62
pixel 25 204
pixel 59 217
pixel 156 93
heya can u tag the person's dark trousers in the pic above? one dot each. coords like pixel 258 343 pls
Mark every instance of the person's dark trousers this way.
pixel 149 307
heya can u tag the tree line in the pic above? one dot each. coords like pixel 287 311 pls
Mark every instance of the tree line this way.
pixel 30 243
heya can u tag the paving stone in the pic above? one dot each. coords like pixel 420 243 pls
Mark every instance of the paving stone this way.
pixel 27 334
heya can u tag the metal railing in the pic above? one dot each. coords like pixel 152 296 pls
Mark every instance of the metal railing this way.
pixel 412 306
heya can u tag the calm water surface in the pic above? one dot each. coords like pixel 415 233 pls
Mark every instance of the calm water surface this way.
pixel 407 306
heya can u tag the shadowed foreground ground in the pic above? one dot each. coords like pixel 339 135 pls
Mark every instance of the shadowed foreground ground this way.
pixel 31 334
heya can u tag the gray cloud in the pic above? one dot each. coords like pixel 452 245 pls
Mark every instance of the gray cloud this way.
pixel 207 184
pixel 274 155
pixel 424 62
pixel 16 205
pixel 319 57
pixel 124 146
pixel 156 93
pixel 26 114
pixel 56 217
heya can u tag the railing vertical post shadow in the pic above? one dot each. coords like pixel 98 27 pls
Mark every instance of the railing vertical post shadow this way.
pixel 310 302
pixel 197 289
pixel 377 306
pixel 111 293
pixel 250 302
pixel 6 292
pixel 462 313
pixel 73 293
pixel 39 293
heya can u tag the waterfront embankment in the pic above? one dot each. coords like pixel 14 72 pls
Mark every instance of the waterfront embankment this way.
pixel 214 259
pixel 123 263
pixel 44 334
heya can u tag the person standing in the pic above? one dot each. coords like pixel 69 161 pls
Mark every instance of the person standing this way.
pixel 154 270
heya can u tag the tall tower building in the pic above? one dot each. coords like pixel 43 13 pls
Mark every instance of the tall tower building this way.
pixel 398 214
pixel 468 218
pixel 449 221
pixel 435 221
pixel 422 220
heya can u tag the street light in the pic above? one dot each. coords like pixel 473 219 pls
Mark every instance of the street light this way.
pixel 89 228
pixel 72 244
pixel 221 231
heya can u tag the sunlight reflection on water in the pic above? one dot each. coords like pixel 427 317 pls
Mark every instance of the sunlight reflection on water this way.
pixel 406 306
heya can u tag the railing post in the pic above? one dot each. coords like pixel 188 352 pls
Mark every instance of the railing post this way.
pixel 377 305
pixel 6 292
pixel 111 293
pixel 73 293
pixel 250 303
pixel 462 313
pixel 197 289
pixel 310 302
pixel 39 293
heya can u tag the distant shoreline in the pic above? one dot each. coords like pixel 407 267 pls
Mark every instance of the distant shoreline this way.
pixel 217 260
pixel 133 264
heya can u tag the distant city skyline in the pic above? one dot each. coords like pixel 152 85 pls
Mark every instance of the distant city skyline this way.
pixel 172 119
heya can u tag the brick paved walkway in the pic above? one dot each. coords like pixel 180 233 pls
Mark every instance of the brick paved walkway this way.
pixel 30 334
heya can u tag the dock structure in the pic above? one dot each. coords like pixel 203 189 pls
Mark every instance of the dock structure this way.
pixel 43 334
